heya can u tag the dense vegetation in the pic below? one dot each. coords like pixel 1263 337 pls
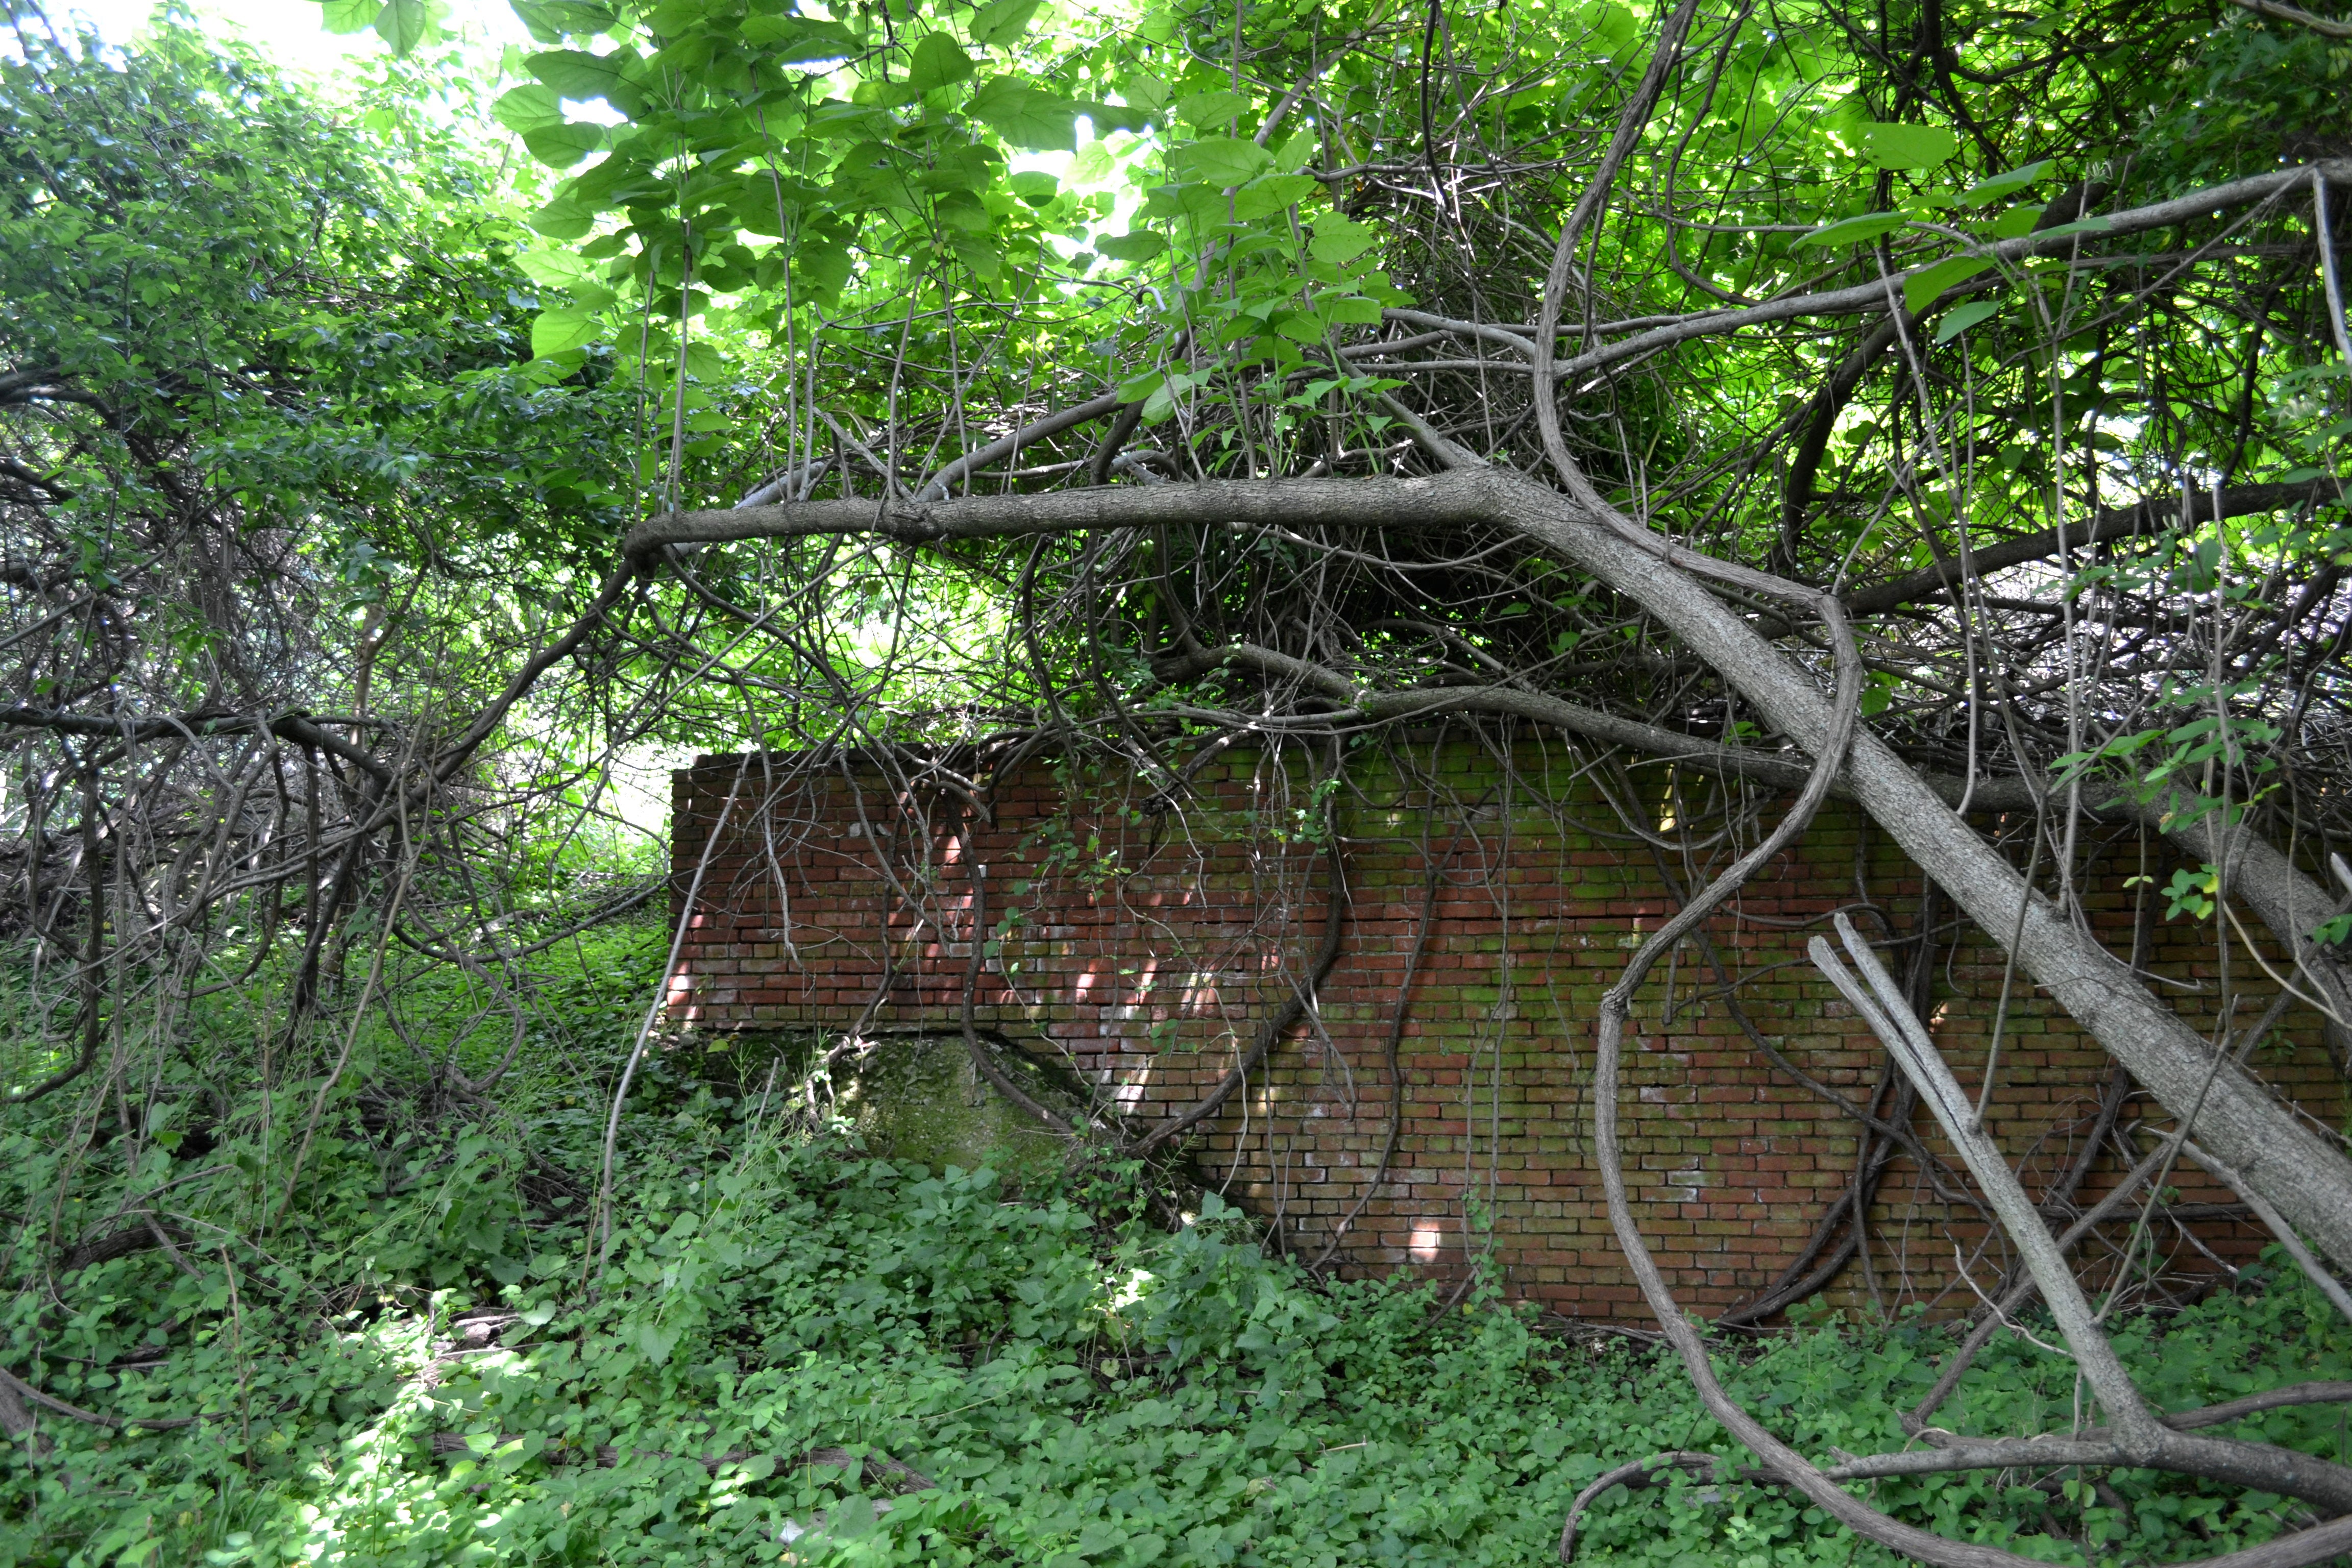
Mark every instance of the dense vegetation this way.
pixel 426 1360
pixel 1933 400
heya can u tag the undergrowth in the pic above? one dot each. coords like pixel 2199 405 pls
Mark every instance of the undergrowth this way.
pixel 421 1360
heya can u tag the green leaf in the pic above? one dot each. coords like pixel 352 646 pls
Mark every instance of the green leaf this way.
pixel 1136 245
pixel 1964 316
pixel 1036 187
pixel 580 76
pixel 1339 240
pixel 404 23
pixel 563 144
pixel 938 61
pixel 1349 309
pixel 1853 230
pixel 1925 285
pixel 812 51
pixel 346 16
pixel 529 107
pixel 794 29
pixel 566 327
pixel 2080 225
pixel 1613 26
pixel 1033 120
pixel 823 266
pixel 1999 186
pixel 1898 146
pixel 1137 388
pixel 553 269
pixel 550 20
pixel 564 218
pixel 1209 110
pixel 1002 21
pixel 962 210
pixel 1111 117
pixel 2017 222
pixel 1222 161
pixel 1092 163
pixel 1270 193
pixel 980 256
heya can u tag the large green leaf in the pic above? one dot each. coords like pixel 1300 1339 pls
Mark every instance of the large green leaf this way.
pixel 821 266
pixel 1902 146
pixel 1925 285
pixel 404 23
pixel 1853 230
pixel 1035 186
pixel 563 144
pixel 977 254
pixel 1269 193
pixel 1963 317
pixel 350 15
pixel 1222 161
pixel 1002 21
pixel 1338 239
pixel 565 217
pixel 938 61
pixel 580 76
pixel 550 20
pixel 1999 186
pixel 564 328
pixel 1209 110
pixel 1037 121
pixel 531 107
pixel 1136 245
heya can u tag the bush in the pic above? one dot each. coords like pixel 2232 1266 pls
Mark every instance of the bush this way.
pixel 438 1371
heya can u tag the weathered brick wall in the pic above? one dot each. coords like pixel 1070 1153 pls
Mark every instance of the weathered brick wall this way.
pixel 1143 943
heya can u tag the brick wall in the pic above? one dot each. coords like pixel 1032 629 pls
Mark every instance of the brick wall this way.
pixel 1143 941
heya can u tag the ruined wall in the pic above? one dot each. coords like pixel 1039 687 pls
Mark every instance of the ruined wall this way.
pixel 1143 940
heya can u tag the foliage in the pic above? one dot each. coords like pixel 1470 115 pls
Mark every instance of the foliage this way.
pixel 1082 1387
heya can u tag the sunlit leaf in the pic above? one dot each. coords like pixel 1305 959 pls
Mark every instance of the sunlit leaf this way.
pixel 1037 121
pixel 1853 230
pixel 1926 284
pixel 1209 110
pixel 937 61
pixel 982 257
pixel 404 23
pixel 580 76
pixel 563 219
pixel 1137 244
pixel 553 269
pixel 344 16
pixel 1999 186
pixel 531 107
pixel 1269 193
pixel 1002 21
pixel 1339 240
pixel 1963 317
pixel 564 328
pixel 1220 160
pixel 550 20
pixel 563 144
pixel 1904 146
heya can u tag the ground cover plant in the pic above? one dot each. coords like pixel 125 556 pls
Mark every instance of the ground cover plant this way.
pixel 788 1350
